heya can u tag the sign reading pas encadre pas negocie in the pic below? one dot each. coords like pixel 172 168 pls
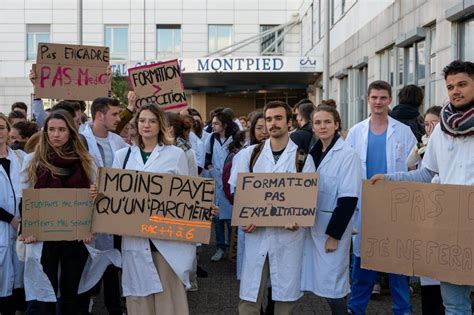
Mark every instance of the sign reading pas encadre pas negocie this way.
pixel 152 205
pixel 419 229
pixel 159 84
pixel 71 72
pixel 60 214
pixel 275 199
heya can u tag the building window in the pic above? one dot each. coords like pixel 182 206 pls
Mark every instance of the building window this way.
pixel 433 48
pixel 339 8
pixel 36 33
pixel 466 42
pixel 272 43
pixel 116 38
pixel 168 40
pixel 220 36
pixel 344 102
pixel 317 26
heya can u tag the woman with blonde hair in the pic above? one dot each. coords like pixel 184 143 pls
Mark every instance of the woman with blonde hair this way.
pixel 60 160
pixel 11 274
pixel 155 273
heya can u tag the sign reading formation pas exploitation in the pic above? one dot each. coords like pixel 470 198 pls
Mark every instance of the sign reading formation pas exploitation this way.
pixel 59 214
pixel 160 206
pixel 71 72
pixel 275 199
pixel 159 84
pixel 419 229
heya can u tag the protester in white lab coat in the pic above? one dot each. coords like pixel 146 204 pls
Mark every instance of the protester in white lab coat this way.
pixel 59 161
pixel 103 143
pixel 273 253
pixel 383 145
pixel 216 154
pixel 155 273
pixel 11 274
pixel 327 244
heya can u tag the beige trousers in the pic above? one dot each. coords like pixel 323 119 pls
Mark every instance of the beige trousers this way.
pixel 253 308
pixel 173 299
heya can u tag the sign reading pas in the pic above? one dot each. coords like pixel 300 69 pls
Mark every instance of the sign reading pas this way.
pixel 62 214
pixel 275 199
pixel 71 71
pixel 152 205
pixel 159 84
pixel 419 229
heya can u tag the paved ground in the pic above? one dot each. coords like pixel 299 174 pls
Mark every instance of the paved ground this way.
pixel 218 294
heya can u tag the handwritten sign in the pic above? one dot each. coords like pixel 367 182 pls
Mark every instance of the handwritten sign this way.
pixel 159 84
pixel 159 206
pixel 419 229
pixel 275 199
pixel 72 72
pixel 57 214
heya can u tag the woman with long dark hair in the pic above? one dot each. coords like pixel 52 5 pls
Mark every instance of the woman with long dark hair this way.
pixel 59 161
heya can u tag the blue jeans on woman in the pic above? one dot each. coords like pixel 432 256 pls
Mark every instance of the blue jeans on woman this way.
pixel 220 226
pixel 456 299
pixel 363 281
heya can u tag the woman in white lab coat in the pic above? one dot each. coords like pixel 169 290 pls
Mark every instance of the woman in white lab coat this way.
pixel 155 273
pixel 11 269
pixel 60 160
pixel 325 269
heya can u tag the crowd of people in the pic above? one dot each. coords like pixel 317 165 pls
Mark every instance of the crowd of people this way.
pixel 62 148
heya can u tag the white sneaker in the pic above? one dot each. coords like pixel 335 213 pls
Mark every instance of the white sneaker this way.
pixel 219 255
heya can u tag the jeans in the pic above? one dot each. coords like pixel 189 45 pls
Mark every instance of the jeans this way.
pixel 456 298
pixel 220 232
pixel 363 282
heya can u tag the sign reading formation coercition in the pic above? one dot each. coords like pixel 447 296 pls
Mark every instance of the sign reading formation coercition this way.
pixel 60 214
pixel 159 206
pixel 159 84
pixel 419 229
pixel 275 199
pixel 71 72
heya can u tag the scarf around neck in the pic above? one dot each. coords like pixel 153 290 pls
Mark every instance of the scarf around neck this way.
pixel 73 176
pixel 457 124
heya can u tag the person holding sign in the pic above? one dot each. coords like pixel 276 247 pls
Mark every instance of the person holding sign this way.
pixel 59 161
pixel 383 145
pixel 450 154
pixel 327 244
pixel 155 272
pixel 11 274
pixel 272 252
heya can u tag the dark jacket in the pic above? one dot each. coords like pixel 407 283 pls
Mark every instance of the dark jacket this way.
pixel 410 116
pixel 302 137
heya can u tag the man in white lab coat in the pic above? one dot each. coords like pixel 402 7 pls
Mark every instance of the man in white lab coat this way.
pixel 383 145
pixel 272 252
pixel 103 143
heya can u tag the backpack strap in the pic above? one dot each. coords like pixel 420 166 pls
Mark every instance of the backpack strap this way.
pixel 301 156
pixel 255 154
pixel 127 157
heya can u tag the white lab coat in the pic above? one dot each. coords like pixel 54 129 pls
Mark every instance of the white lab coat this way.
pixel 197 145
pixel 327 274
pixel 37 284
pixel 219 156
pixel 284 248
pixel 103 241
pixel 139 274
pixel 400 141
pixel 11 269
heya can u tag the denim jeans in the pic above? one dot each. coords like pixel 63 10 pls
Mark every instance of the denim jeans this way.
pixel 363 283
pixel 456 298
pixel 219 226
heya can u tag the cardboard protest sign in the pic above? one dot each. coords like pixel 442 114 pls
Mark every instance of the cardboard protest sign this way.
pixel 275 199
pixel 419 229
pixel 60 214
pixel 71 72
pixel 160 206
pixel 233 245
pixel 159 84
